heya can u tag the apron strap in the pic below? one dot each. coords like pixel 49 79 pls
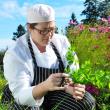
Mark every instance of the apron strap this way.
pixel 61 65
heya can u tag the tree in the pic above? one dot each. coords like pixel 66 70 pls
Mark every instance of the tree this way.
pixel 73 21
pixel 20 31
pixel 56 30
pixel 73 17
pixel 91 11
pixel 104 9
pixel 2 52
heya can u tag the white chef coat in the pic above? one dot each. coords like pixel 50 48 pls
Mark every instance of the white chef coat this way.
pixel 18 66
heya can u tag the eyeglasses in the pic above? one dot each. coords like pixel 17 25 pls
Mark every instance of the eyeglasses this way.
pixel 45 31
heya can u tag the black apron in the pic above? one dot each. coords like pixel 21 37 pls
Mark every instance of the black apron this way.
pixel 55 100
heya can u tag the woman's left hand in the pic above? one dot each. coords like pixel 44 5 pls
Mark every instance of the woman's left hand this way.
pixel 76 90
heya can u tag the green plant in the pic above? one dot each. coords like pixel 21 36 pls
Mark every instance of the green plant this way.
pixel 2 81
pixel 3 107
pixel 91 43
pixel 97 81
pixel 2 84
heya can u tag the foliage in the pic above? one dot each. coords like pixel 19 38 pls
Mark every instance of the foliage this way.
pixel 1 60
pixel 73 20
pixel 2 84
pixel 104 8
pixel 73 17
pixel 91 43
pixel 1 57
pixel 2 81
pixel 20 31
pixel 95 9
pixel 3 107
pixel 87 74
pixel 96 80
pixel 91 11
pixel 72 23
pixel 56 30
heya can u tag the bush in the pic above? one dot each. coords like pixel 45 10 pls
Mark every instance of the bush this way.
pixel 2 84
pixel 97 81
pixel 1 56
pixel 2 81
pixel 91 44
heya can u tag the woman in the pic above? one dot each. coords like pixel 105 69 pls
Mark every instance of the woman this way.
pixel 34 67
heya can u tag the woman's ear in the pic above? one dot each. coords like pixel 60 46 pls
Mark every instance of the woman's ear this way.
pixel 28 27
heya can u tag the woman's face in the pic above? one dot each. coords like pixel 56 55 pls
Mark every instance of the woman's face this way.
pixel 42 32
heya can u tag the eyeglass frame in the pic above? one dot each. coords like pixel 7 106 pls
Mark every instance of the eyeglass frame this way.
pixel 45 31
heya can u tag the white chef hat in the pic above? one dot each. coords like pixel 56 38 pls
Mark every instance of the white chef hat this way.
pixel 40 13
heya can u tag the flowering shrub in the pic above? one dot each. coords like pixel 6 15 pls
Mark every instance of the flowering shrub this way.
pixel 97 81
pixel 92 46
pixel 91 43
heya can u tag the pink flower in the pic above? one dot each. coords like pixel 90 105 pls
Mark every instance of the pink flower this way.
pixel 81 27
pixel 92 89
pixel 100 29
pixel 92 29
pixel 72 22
pixel 107 29
pixel 104 19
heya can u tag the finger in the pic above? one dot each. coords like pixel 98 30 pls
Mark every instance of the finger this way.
pixel 78 98
pixel 58 75
pixel 80 94
pixel 65 75
pixel 59 88
pixel 82 90
pixel 79 85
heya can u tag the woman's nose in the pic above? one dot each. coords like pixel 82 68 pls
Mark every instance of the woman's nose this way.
pixel 50 34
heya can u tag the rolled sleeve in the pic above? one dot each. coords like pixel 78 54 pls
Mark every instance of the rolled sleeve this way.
pixel 25 97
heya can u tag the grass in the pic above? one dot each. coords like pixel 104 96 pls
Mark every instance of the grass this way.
pixel 2 84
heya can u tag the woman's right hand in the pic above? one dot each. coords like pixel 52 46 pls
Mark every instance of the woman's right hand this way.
pixel 76 90
pixel 53 82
